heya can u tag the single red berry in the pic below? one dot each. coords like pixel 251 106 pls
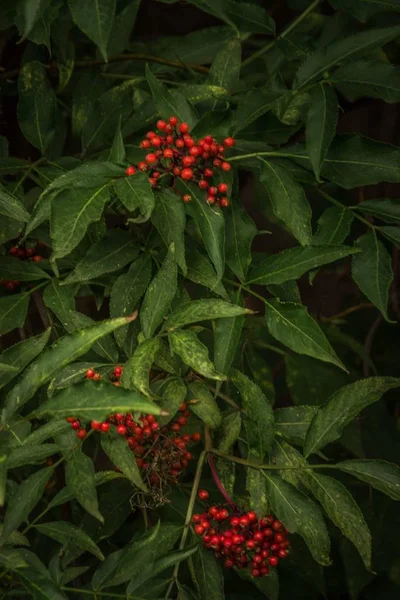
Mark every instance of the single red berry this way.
pixel 90 374
pixel 264 570
pixel 265 553
pixel 199 530
pixel 187 161
pixel 105 427
pixel 95 425
pixel 121 430
pixel 13 250
pixel 224 202
pixel 118 371
pixel 176 171
pixel 168 153
pixel 81 434
pixel 244 521
pixel 258 536
pixel 37 258
pixel 217 162
pixel 257 559
pixel 187 174
pixel 213 510
pixel 161 124
pixel 145 144
pixel 252 516
pixel 203 495
pixel 196 437
pixel 229 141
pixel 208 172
pixel 151 158
pixel 211 200
pixel 183 127
pixel 155 426
pixel 235 521
pixel 173 121
pixel 96 377
pixel 282 553
pixel 76 425
pixel 250 544
pixel 150 134
pixel 179 143
pixel 130 171
pixel 187 198
pixel 175 427
pixel 273 561
pixel 70 419
pixel 255 573
pixel 169 140
pixel 156 141
pixel 228 563
pixel 152 181
pixel 194 151
pixel 276 525
pixel 205 523
pixel 142 166
pixel 223 188
pixel 274 547
pixel 226 166
pixel 168 128
pixel 203 184
pixel 223 514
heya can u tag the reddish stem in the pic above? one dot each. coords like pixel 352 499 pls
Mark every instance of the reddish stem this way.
pixel 218 481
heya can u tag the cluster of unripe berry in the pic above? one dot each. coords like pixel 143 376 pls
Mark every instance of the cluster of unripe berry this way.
pixel 22 254
pixel 242 539
pixel 175 153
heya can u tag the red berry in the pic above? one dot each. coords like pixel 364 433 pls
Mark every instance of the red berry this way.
pixel 13 250
pixel 121 430
pixel 244 521
pixel 235 521
pixel 265 553
pixel 213 510
pixel 187 161
pixel 196 518
pixel 255 573
pixel 180 143
pixel 145 144
pixel 224 202
pixel 252 516
pixel 229 563
pixel 273 561
pixel 187 174
pixel 168 128
pixel 196 437
pixel 168 153
pixel 96 377
pixel 150 134
pixel 203 495
pixel 151 158
pixel 250 544
pixel 169 140
pixel 205 523
pixel 194 151
pixel 183 127
pixel 176 171
pixel 142 166
pixel 211 200
pixel 223 188
pixel 76 425
pixel 161 124
pixel 187 198
pixel 105 427
pixel 117 371
pixel 155 426
pixel 226 166
pixel 175 427
pixel 208 173
pixel 257 559
pixel 223 514
pixel 199 530
pixel 173 121
pixel 282 553
pixel 81 434
pixel 229 141
pixel 258 536
pixel 37 258
pixel 217 162
pixel 90 374
pixel 156 141
pixel 189 141
pixel 130 171
pixel 70 419
pixel 276 525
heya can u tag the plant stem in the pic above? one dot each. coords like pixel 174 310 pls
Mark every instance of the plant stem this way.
pixel 340 205
pixel 217 480
pixel 28 172
pixel 258 154
pixel 189 513
pixel 224 397
pixel 347 311
pixel 281 36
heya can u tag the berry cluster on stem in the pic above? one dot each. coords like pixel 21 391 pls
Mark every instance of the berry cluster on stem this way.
pixel 22 253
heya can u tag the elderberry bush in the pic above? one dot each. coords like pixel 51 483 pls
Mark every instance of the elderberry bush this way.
pixel 199 299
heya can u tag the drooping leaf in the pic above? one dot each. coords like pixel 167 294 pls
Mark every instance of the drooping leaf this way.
pixel 255 485
pixel 120 454
pixel 46 431
pixel 137 370
pixel 117 151
pixel 11 207
pixel 227 337
pixel 240 232
pixel 204 406
pixel 15 269
pixel 79 477
pixel 372 271
pixel 294 327
pixel 95 20
pixel 174 395
pixel 342 408
pixel 321 125
pixel 386 209
pixel 194 353
pixel 169 219
pixel 135 193
pixel 368 78
pixel 29 455
pixel 207 575
pixel 288 200
pixel 292 422
pixel 230 430
pixel 251 18
pixel 225 69
pixel 392 234
pixel 13 311
pixel 201 271
pixel 95 400
pixel 50 362
pixel 202 310
pixel 159 294
pixel 65 533
pixel 253 105
pixel 169 103
pixel 380 474
pixel 293 263
pixel 333 226
pixel 21 354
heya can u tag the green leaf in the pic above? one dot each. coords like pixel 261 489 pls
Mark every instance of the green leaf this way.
pixel 204 405
pixel 95 400
pixel 225 69
pixel 210 222
pixel 169 103
pixel 79 477
pixel 20 270
pixel 75 373
pixel 117 151
pixel 366 9
pixel 95 20
pixel 240 232
pixel 29 455
pixel 55 358
pixel 341 508
pixel 46 431
pixel 135 193
pixel 169 218
pixel 194 354
pixel 24 500
pixel 60 299
pixel 29 12
pixel 255 485
pixel 253 105
pixel 392 234
pixel 159 294
pixel 201 271
pixel 21 354
pixel 288 200
pixel 230 431
pixel 115 250
pixel 207 575
pixel 250 17
pixel 293 263
pixel 342 408
pixel 36 105
pixel 16 538
pixel 72 212
pixel 321 124
pixel 299 515
pixel 66 533
pixel 101 477
pixel 342 50
pixel 37 581
pixel 127 291
pixel 13 311
pixel 368 78
pixel 11 207
pixel 227 338
pixel 10 558
pixel 173 395
pixel 386 209
pixel 292 326
pixel 105 347
pixel 203 310
pixel 137 369
pixel 259 421
pixel 123 25
pixel 333 226
pixel 120 454
pixel 381 475
pixel 372 271
pixel 292 422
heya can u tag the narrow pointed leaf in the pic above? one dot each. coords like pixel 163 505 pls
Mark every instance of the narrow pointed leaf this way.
pixel 174 395
pixel 207 575
pixel 204 405
pixel 13 268
pixel 135 194
pixel 225 69
pixel 79 477
pixel 227 338
pixel 374 79
pixel 95 20
pixel 169 103
pixel 11 207
pixel 117 152
pixel 66 533
pixel 202 310
pixel 381 475
pixel 333 226
pixel 121 455
pixel 21 354
pixel 193 353
pixel 201 271
pixel 240 232
pixel 292 422
pixel 169 218
pixel 13 311
pixel 321 125
pixel 137 369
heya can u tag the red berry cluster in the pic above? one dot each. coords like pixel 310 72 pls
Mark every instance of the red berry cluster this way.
pixel 22 254
pixel 175 153
pixel 244 540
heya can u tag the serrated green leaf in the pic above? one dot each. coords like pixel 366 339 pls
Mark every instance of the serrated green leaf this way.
pixel 202 310
pixel 55 358
pixel 11 207
pixel 333 226
pixel 342 408
pixel 368 78
pixel 79 477
pixel 250 17
pixel 210 222
pixel 253 105
pixel 66 533
pixel 372 271
pixel 135 193
pixel 225 69
pixel 367 8
pixel 46 431
pixel 28 14
pixel 204 406
pixel 299 515
pixel 60 299
pixel 321 125
pixel 21 354
pixel 15 539
pixel 227 338
pixel 201 271
pixel 95 20
pixel 392 234
pixel 24 500
pixel 29 455
pixel 386 209
pixel 173 395
pixel 194 353
pixel 240 232
pixel 117 151
pixel 207 575
pixel 381 475
pixel 37 580
pixel 13 311
pixel 15 269
pixel 117 449
pixel 169 218
pixel 230 431
pixel 115 250
pixel 259 419
pixel 292 422
pixel 295 328
pixel 288 200
pixel 137 370
pixel 293 263
pixel 169 103
pixel 101 477
pixel 159 295
pixel 255 485
pixel 36 105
